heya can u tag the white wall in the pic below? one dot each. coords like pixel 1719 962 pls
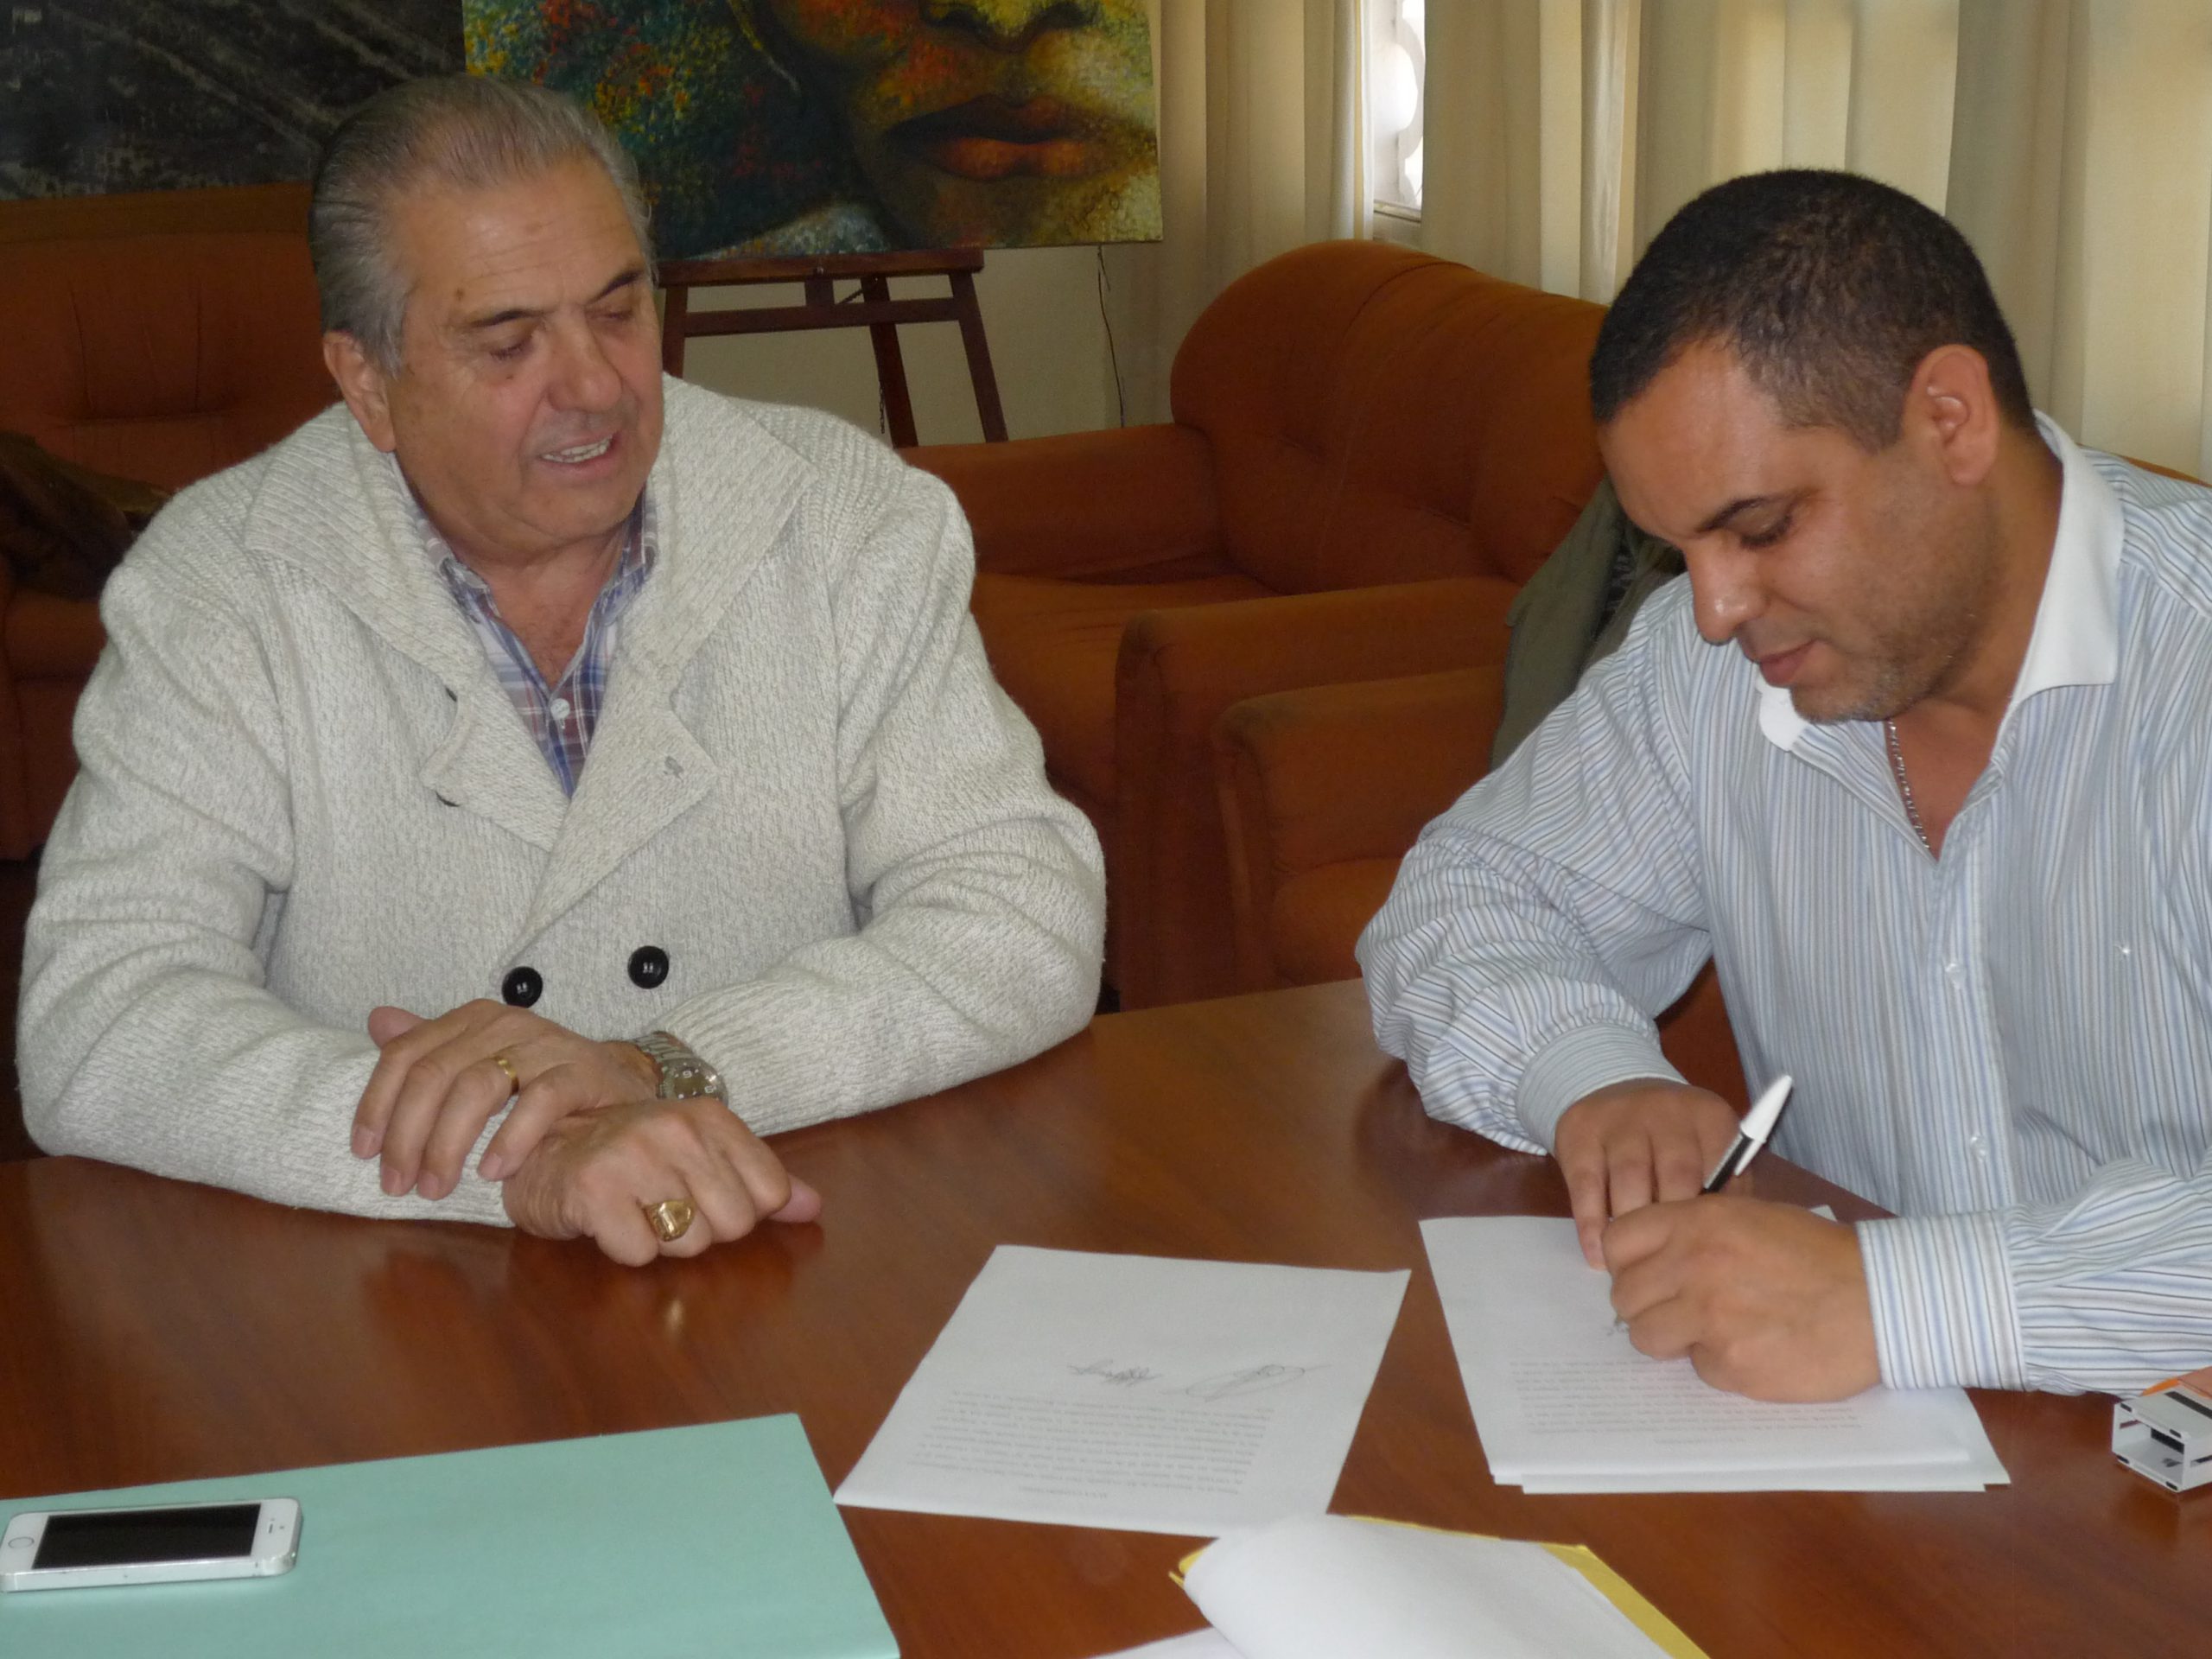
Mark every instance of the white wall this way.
pixel 1040 313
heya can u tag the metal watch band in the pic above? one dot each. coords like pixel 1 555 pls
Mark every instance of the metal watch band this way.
pixel 683 1075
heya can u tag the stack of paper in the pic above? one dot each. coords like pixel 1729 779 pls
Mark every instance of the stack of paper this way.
pixel 1134 1391
pixel 1565 1403
pixel 1328 1587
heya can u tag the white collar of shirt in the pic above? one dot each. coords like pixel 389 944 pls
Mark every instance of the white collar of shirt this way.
pixel 2076 636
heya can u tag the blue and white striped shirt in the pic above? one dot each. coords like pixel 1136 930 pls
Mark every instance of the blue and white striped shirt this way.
pixel 2010 1046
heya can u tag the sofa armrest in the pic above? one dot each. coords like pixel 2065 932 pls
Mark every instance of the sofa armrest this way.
pixel 1324 790
pixel 1131 504
pixel 1339 774
pixel 46 637
pixel 1177 672
pixel 1334 772
pixel 17 833
pixel 50 646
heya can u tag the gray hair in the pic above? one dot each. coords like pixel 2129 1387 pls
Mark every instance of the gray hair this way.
pixel 465 132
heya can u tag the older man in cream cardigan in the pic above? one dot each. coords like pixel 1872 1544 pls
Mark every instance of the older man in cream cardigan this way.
pixel 528 784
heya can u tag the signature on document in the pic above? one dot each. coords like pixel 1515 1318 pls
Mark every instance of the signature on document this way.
pixel 1254 1380
pixel 1118 1376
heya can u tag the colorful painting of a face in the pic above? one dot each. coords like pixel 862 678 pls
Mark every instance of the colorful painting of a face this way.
pixel 858 125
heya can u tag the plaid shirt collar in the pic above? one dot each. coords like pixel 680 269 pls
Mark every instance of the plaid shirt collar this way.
pixel 561 717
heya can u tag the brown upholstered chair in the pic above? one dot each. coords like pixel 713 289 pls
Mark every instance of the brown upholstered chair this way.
pixel 1371 449
pixel 141 345
pixel 1322 790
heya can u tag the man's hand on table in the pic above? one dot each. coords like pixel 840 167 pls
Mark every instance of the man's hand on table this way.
pixel 589 1145
pixel 1767 1300
pixel 1648 1140
pixel 436 1085
pixel 595 1172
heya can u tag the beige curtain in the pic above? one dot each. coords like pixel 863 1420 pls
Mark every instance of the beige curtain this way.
pixel 2082 166
pixel 1563 133
pixel 1735 86
pixel 1262 109
pixel 2070 139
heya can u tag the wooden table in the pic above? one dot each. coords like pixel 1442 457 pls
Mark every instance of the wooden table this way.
pixel 153 1331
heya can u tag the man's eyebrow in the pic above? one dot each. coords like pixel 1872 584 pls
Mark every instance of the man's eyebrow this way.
pixel 633 274
pixel 525 314
pixel 1740 505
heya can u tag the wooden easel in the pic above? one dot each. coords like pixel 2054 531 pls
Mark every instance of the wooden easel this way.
pixel 873 309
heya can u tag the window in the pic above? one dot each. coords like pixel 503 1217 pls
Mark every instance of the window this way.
pixel 1396 33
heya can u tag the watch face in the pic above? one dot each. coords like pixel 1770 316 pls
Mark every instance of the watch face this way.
pixel 683 1075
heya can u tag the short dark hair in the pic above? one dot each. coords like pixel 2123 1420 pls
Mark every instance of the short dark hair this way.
pixel 1828 288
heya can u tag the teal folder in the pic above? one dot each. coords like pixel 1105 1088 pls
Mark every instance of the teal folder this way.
pixel 720 1540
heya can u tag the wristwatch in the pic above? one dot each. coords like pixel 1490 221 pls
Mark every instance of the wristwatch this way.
pixel 683 1075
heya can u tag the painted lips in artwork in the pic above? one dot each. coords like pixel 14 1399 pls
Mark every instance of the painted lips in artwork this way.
pixel 821 127
pixel 988 138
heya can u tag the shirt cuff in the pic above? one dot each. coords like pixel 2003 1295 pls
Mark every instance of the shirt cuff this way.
pixel 1942 1301
pixel 1584 1060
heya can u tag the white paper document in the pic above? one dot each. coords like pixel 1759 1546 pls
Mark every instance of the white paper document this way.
pixel 1199 1644
pixel 1565 1403
pixel 1332 1588
pixel 1134 1391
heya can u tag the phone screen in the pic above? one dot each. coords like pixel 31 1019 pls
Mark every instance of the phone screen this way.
pixel 117 1537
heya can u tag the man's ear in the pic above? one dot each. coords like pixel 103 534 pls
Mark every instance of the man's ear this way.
pixel 363 385
pixel 1952 408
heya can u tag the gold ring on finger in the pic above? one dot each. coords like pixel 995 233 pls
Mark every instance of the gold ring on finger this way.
pixel 514 1078
pixel 672 1218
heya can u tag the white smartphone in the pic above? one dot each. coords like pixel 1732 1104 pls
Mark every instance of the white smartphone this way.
pixel 68 1549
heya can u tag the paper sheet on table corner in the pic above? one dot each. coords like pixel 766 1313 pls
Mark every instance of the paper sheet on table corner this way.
pixel 1198 1644
pixel 1564 1403
pixel 1321 1587
pixel 1146 1393
pixel 1328 1587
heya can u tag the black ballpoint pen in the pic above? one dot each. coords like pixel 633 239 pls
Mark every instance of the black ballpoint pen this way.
pixel 1759 1123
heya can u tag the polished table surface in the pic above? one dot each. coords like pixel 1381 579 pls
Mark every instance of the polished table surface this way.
pixel 154 1330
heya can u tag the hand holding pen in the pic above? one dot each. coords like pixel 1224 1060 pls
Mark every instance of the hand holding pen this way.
pixel 1751 1138
pixel 1763 1299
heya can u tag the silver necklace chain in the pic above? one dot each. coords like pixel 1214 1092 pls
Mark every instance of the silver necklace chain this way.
pixel 1905 786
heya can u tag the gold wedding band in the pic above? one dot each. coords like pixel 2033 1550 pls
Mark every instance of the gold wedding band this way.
pixel 514 1081
pixel 672 1218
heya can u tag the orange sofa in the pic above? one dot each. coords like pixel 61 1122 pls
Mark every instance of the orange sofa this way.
pixel 159 338
pixel 1323 791
pixel 1371 450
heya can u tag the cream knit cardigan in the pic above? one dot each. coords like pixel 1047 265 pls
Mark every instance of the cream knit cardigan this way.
pixel 304 794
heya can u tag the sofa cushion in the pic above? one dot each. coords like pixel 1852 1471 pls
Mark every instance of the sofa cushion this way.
pixel 1377 415
pixel 161 358
pixel 1053 646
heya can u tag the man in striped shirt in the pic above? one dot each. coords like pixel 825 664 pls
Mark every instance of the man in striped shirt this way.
pixel 1940 817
